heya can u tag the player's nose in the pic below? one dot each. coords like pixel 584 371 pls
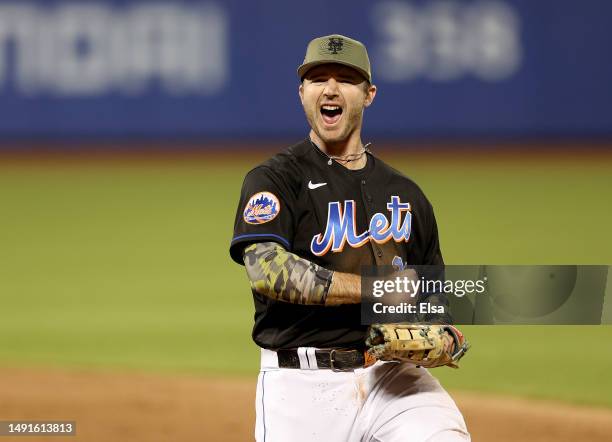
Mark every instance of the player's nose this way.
pixel 331 87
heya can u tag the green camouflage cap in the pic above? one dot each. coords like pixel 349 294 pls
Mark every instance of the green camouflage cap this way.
pixel 336 49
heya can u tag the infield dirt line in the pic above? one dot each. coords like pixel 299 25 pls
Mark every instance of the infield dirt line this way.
pixel 147 407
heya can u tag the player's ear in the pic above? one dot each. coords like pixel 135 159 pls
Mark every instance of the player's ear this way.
pixel 301 92
pixel 370 94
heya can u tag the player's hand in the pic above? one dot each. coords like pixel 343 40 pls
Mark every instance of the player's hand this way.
pixel 404 290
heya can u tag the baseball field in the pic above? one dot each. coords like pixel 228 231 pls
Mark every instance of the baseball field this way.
pixel 120 308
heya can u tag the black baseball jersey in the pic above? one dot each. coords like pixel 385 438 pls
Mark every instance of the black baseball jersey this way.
pixel 339 218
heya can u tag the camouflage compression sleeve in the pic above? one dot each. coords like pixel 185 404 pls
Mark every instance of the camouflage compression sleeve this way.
pixel 284 276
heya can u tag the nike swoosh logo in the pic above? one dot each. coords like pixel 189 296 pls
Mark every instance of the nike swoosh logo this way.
pixel 312 186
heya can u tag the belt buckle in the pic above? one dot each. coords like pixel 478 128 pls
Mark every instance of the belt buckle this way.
pixel 332 360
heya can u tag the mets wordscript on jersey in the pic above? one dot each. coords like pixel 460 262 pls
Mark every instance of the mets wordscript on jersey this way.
pixel 341 227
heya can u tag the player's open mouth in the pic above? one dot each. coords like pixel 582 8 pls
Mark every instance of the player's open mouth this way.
pixel 331 114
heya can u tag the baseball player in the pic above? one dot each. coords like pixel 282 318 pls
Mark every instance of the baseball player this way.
pixel 308 219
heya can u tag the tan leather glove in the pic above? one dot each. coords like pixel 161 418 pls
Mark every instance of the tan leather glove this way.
pixel 423 345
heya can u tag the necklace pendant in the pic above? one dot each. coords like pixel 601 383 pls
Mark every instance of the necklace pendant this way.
pixel 330 162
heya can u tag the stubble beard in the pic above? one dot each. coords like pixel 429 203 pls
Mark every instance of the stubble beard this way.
pixel 351 123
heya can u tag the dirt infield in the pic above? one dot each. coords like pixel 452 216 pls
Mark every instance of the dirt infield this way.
pixel 134 407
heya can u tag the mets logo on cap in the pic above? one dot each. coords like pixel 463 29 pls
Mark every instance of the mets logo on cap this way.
pixel 261 208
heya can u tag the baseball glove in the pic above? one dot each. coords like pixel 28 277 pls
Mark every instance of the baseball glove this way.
pixel 424 345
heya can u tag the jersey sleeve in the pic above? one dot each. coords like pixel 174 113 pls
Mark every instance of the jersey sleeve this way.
pixel 265 212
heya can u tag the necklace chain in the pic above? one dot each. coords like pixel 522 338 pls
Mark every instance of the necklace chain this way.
pixel 343 159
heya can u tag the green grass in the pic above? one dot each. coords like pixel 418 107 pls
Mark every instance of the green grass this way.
pixel 126 266
pixel 122 266
pixel 570 363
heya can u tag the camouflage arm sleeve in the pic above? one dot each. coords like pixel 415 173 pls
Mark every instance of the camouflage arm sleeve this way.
pixel 284 276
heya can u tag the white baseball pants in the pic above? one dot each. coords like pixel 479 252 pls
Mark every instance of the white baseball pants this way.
pixel 386 402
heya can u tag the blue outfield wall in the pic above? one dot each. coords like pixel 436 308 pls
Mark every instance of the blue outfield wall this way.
pixel 226 69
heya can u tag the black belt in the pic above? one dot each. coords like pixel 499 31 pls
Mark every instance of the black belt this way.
pixel 334 359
